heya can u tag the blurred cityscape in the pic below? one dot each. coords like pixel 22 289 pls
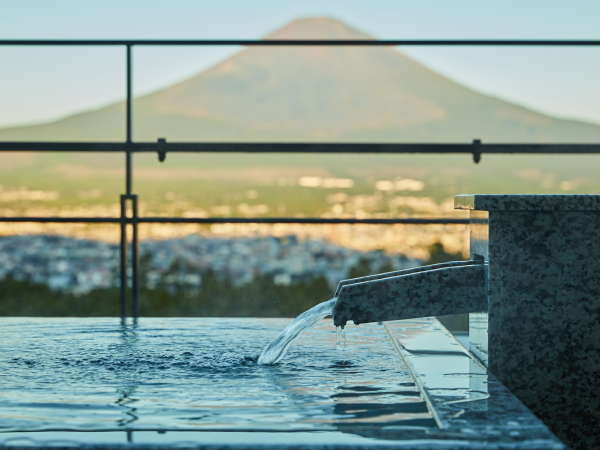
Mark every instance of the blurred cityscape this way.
pixel 79 266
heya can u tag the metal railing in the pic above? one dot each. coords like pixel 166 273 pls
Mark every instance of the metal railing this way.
pixel 129 215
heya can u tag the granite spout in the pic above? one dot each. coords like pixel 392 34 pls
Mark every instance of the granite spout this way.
pixel 449 288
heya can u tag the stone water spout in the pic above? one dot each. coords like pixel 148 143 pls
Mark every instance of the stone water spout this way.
pixel 435 290
pixel 532 288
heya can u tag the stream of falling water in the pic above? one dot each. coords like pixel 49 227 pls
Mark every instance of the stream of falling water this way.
pixel 277 349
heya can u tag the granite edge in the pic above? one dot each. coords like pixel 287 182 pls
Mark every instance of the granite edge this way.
pixel 528 202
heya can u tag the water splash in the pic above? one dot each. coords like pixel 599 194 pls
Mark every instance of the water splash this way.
pixel 340 341
pixel 276 350
pixel 341 344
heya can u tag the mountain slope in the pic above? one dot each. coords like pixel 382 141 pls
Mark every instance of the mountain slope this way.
pixel 319 94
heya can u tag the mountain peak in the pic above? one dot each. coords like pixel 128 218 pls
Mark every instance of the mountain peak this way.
pixel 317 28
pixel 320 94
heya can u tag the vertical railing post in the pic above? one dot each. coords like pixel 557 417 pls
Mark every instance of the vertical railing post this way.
pixel 123 259
pixel 135 286
pixel 128 122
pixel 134 223
pixel 124 278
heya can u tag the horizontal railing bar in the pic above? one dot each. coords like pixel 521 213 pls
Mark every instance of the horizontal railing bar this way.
pixel 299 147
pixel 304 42
pixel 304 220
pixel 51 219
pixel 242 220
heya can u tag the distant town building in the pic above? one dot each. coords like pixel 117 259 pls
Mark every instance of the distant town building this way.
pixel 79 266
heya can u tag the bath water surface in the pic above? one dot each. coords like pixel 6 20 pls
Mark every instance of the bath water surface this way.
pixel 198 374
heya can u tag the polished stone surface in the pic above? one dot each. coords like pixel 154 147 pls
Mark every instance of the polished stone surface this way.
pixel 465 397
pixel 544 313
pixel 431 291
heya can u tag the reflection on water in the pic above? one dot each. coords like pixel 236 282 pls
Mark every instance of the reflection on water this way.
pixel 126 401
pixel 199 374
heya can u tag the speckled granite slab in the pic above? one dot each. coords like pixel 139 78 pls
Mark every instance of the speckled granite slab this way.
pixel 379 276
pixel 544 305
pixel 528 202
pixel 458 288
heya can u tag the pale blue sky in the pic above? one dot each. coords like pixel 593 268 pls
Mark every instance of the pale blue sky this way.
pixel 41 83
